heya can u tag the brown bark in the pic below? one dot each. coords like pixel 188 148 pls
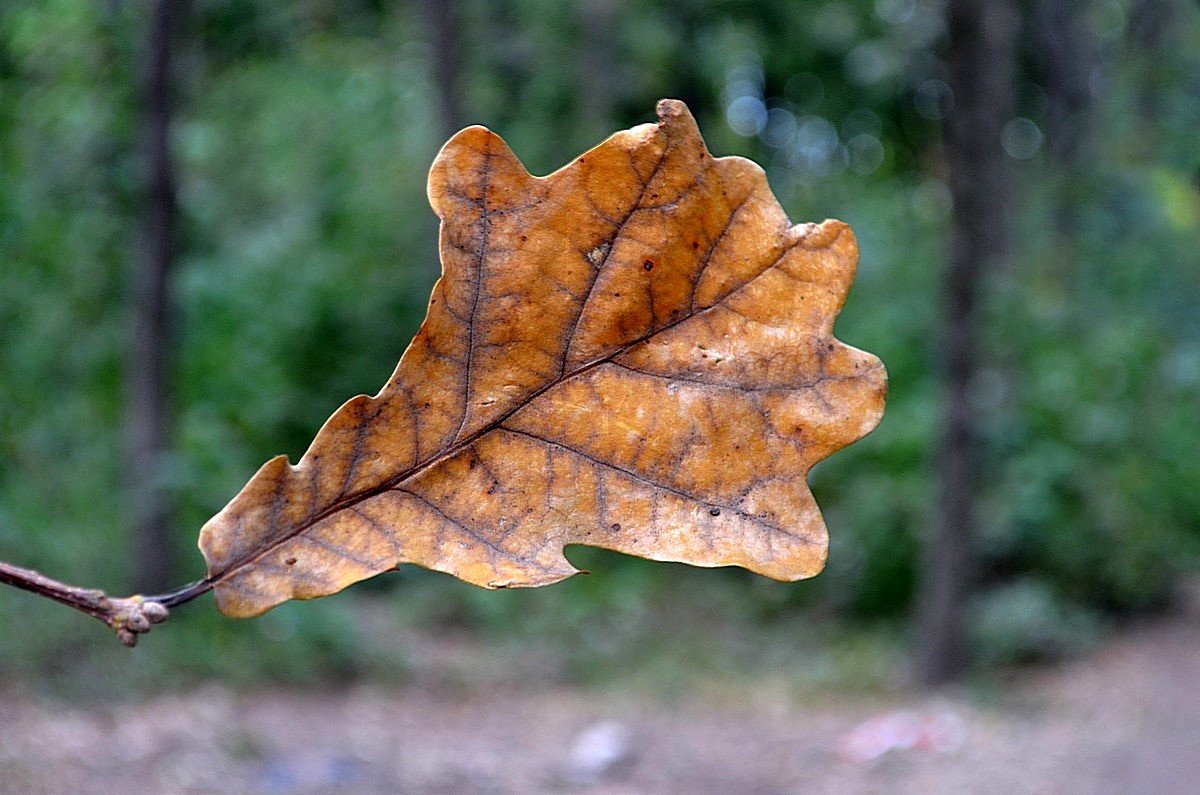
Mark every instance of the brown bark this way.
pixel 147 408
pixel 980 75
pixel 128 617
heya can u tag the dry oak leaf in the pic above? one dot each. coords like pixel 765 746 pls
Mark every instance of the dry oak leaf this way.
pixel 634 353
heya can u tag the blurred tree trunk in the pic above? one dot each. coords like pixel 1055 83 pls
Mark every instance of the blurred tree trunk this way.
pixel 442 28
pixel 1147 30
pixel 980 66
pixel 597 65
pixel 147 417
pixel 1064 54
pixel 441 19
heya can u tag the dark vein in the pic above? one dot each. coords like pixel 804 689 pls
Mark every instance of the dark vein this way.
pixel 339 551
pixel 378 527
pixel 608 255
pixel 635 475
pixel 737 387
pixel 486 225
pixel 712 249
pixel 482 539
pixel 360 436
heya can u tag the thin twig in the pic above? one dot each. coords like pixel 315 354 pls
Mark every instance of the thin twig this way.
pixel 128 616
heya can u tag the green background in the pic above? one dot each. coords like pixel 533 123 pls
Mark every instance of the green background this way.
pixel 303 134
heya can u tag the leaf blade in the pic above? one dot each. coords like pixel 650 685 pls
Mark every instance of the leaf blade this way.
pixel 644 273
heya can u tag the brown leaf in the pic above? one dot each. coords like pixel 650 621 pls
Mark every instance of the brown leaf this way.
pixel 634 353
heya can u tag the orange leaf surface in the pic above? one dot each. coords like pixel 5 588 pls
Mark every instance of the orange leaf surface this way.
pixel 634 353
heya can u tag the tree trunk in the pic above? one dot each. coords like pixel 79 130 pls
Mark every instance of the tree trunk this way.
pixel 442 27
pixel 980 63
pixel 447 66
pixel 147 408
pixel 597 65
pixel 1065 55
pixel 1148 30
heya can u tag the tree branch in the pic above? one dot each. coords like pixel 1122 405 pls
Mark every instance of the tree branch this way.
pixel 128 616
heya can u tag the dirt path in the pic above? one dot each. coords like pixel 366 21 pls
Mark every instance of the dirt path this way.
pixel 1125 720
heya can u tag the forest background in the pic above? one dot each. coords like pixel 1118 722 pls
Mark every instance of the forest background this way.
pixel 299 253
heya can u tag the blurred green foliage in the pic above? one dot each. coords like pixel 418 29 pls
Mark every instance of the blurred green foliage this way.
pixel 303 135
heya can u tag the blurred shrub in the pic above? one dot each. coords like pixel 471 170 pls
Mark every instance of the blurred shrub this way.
pixel 1024 620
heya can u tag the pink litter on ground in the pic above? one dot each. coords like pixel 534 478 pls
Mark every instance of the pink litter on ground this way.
pixel 902 730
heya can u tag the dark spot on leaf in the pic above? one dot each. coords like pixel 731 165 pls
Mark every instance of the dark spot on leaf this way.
pixel 695 245
pixel 648 265
pixel 714 511
pixel 290 561
pixel 523 238
pixel 616 526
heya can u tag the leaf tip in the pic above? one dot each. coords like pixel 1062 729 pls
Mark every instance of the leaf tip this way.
pixel 670 109
pixel 675 118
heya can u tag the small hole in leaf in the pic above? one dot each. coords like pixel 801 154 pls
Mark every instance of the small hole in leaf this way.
pixel 648 265
pixel 714 511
